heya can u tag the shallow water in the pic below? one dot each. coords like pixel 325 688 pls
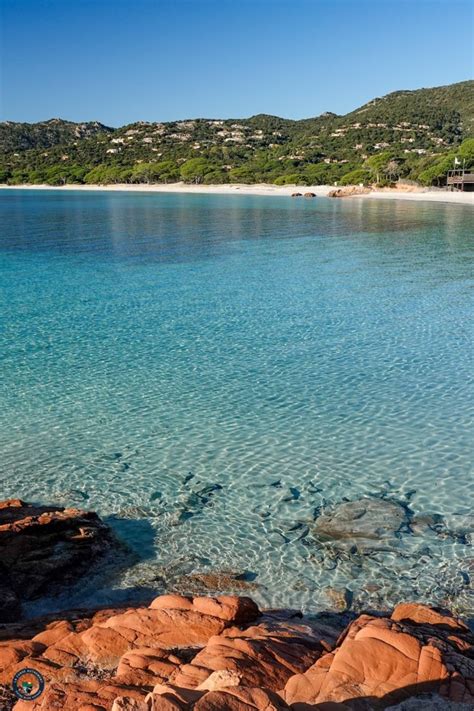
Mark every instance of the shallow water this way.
pixel 209 373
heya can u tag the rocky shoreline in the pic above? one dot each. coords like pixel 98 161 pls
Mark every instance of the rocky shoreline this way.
pixel 223 653
pixel 210 653
pixel 43 549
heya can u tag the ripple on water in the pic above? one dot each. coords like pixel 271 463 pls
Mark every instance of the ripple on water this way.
pixel 212 374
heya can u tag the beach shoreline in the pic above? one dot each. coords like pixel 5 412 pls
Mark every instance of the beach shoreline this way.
pixel 213 648
pixel 421 194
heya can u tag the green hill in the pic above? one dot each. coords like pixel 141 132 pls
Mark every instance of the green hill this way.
pixel 24 136
pixel 408 134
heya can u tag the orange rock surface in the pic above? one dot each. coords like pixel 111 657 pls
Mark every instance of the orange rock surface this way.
pixel 223 654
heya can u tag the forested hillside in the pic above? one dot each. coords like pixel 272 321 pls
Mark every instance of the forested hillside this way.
pixel 407 134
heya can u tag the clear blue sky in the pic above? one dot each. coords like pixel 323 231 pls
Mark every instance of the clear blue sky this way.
pixel 119 61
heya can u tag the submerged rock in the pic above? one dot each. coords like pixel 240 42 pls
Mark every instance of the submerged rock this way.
pixel 340 600
pixel 366 519
pixel 43 548
pixel 216 582
pixel 195 502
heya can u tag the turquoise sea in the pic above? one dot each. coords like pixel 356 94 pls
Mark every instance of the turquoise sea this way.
pixel 210 373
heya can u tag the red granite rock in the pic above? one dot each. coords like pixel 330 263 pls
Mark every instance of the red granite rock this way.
pixel 230 608
pixel 385 661
pixel 241 698
pixel 180 625
pixel 89 695
pixel 424 615
pixel 205 654
pixel 262 655
pixel 43 548
pixel 147 667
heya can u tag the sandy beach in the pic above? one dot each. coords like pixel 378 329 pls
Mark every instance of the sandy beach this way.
pixel 422 194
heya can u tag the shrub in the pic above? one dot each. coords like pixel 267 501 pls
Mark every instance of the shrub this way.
pixel 355 177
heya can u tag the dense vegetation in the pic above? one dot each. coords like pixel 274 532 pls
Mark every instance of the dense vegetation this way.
pixel 412 135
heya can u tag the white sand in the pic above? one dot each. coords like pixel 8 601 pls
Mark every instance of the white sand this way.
pixel 424 194
pixel 461 198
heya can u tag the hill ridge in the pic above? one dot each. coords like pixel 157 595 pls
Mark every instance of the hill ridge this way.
pixel 410 134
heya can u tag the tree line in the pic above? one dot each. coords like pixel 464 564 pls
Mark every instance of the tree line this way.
pixel 382 168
